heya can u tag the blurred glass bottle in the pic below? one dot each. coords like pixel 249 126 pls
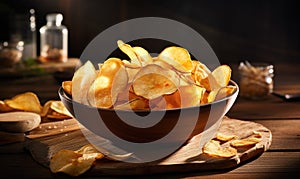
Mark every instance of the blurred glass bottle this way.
pixel 54 39
pixel 24 29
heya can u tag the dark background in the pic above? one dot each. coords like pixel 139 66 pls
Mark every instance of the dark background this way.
pixel 255 30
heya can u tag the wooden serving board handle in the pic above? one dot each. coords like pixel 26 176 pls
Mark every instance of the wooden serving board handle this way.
pixel 186 159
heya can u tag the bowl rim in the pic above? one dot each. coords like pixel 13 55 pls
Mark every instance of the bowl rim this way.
pixel 64 95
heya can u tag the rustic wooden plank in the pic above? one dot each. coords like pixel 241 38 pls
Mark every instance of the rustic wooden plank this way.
pixel 186 159
pixel 268 165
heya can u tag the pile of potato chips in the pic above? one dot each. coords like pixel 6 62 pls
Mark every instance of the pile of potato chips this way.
pixel 170 80
pixel 29 102
pixel 214 148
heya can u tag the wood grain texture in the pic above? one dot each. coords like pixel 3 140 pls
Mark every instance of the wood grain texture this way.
pixel 19 121
pixel 187 159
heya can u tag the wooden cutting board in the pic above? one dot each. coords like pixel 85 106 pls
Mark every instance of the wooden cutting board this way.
pixel 42 145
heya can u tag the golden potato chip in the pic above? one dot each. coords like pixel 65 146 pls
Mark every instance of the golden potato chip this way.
pixel 76 162
pixel 70 162
pixel 225 91
pixel 27 101
pixel 129 51
pixel 143 56
pixel 134 104
pixel 220 93
pixel 199 72
pixel 61 159
pixel 178 57
pixel 204 99
pixel 222 75
pixel 81 82
pixel 4 107
pixel 153 81
pixel 185 96
pixel 67 86
pixel 90 149
pixel 111 80
pixel 214 149
pixel 247 142
pixel 60 108
pixel 224 137
pixel 46 108
pixel 210 83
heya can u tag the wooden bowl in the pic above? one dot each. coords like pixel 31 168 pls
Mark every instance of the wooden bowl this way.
pixel 166 126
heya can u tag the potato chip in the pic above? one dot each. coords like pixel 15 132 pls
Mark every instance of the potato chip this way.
pixel 74 163
pixel 111 80
pixel 220 93
pixel 90 149
pixel 222 75
pixel 224 92
pixel 4 107
pixel 185 96
pixel 199 72
pixel 46 108
pixel 61 159
pixel 129 51
pixel 70 162
pixel 67 86
pixel 27 101
pixel 134 104
pixel 247 142
pixel 224 137
pixel 153 81
pixel 143 56
pixel 81 82
pixel 214 149
pixel 178 57
pixel 60 108
pixel 204 99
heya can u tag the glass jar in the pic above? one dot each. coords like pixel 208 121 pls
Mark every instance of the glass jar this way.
pixel 24 29
pixel 256 80
pixel 10 53
pixel 54 40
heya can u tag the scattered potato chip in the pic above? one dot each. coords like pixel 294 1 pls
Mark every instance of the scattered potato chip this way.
pixel 214 149
pixel 60 108
pixel 224 137
pixel 90 149
pixel 153 81
pixel 27 101
pixel 74 163
pixel 67 86
pixel 46 108
pixel 178 57
pixel 247 142
pixel 81 82
pixel 54 109
pixel 4 107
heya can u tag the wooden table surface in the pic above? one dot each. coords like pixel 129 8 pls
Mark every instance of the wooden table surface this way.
pixel 281 117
